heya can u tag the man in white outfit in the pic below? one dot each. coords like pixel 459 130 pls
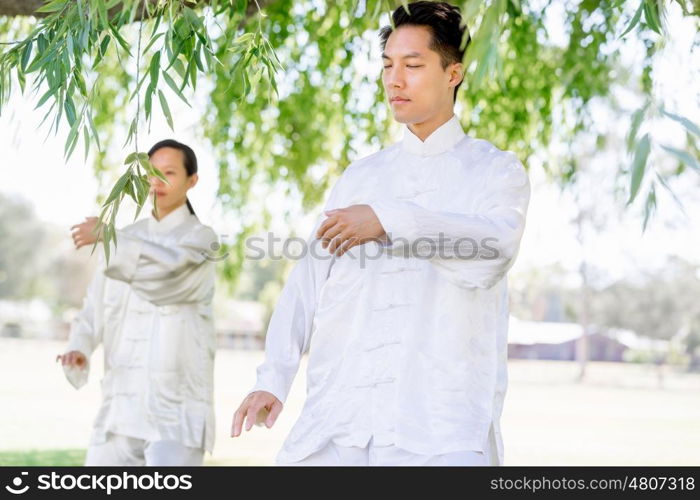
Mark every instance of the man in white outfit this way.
pixel 404 314
pixel 150 307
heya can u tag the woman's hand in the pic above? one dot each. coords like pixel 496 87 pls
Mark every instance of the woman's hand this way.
pixel 86 233
pixel 73 358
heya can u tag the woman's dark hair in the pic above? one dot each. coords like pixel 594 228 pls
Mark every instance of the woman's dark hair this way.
pixel 190 159
pixel 445 24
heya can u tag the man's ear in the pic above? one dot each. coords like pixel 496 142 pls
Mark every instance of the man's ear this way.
pixel 456 73
pixel 193 180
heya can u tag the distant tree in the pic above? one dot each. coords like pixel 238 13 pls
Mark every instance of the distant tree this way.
pixel 21 248
pixel 658 305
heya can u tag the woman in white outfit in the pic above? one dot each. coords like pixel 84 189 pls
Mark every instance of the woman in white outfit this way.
pixel 150 307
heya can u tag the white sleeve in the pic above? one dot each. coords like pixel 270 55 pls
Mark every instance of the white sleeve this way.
pixel 87 327
pixel 473 250
pixel 165 274
pixel 289 331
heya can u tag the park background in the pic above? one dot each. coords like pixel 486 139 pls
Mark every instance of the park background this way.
pixel 604 341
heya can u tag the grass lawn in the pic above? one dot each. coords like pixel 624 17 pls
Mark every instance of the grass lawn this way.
pixel 622 414
pixel 42 457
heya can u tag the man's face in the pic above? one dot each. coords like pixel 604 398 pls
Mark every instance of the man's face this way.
pixel 171 162
pixel 415 82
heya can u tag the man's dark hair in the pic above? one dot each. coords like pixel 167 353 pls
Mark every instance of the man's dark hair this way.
pixel 190 159
pixel 445 24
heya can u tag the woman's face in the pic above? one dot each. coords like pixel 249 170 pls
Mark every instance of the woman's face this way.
pixel 171 162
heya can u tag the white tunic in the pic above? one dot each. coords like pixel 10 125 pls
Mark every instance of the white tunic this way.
pixel 407 349
pixel 151 309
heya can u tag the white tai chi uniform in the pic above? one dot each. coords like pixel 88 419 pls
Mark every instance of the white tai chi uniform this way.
pixel 128 451
pixel 408 345
pixel 151 309
pixel 335 455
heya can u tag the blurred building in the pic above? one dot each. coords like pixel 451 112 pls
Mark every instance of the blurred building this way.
pixel 240 324
pixel 557 341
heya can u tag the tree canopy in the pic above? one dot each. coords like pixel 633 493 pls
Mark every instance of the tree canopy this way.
pixel 288 98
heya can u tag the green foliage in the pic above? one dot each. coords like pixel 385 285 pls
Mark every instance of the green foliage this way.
pixel 56 50
pixel 289 100
pixel 641 149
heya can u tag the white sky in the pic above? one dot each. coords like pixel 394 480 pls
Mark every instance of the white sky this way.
pixel 64 192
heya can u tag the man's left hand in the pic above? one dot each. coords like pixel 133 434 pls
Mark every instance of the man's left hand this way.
pixel 347 227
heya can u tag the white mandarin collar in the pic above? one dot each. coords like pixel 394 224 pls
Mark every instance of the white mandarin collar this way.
pixel 170 221
pixel 442 139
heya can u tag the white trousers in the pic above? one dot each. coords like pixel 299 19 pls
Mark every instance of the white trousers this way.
pixel 127 451
pixel 335 455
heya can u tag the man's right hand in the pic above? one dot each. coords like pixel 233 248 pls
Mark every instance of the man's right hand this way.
pixel 256 407
pixel 73 358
